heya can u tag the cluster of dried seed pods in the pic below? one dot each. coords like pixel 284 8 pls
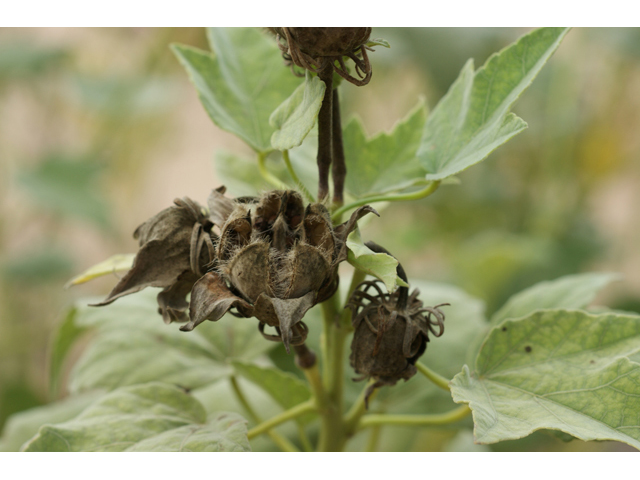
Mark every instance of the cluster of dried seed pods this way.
pixel 273 259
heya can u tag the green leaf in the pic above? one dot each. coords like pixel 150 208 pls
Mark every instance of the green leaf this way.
pixel 67 187
pixel 64 338
pixel 150 417
pixel 374 42
pixel 21 426
pixel 556 369
pixel 132 345
pixel 571 291
pixel 116 263
pixel 385 162
pixel 241 83
pixel 380 265
pixel 295 117
pixel 284 388
pixel 473 118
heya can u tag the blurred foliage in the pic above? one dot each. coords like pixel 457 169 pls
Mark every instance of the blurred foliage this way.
pixel 86 113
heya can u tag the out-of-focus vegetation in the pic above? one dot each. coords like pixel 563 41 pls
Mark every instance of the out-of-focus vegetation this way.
pixel 100 129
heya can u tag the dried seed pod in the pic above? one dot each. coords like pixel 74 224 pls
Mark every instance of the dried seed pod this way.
pixel 176 245
pixel 315 48
pixel 274 260
pixel 279 259
pixel 391 332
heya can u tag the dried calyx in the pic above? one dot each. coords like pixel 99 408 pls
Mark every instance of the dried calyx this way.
pixel 391 331
pixel 316 48
pixel 274 259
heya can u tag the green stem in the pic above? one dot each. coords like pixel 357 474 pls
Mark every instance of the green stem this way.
pixel 294 177
pixel 436 378
pixel 425 192
pixel 268 176
pixel 358 409
pixel 415 420
pixel 284 444
pixel 295 412
pixel 331 432
pixel 372 442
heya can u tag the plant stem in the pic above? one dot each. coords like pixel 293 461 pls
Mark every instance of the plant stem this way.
pixel 284 444
pixel 358 409
pixel 294 177
pixel 372 442
pixel 325 133
pixel 415 420
pixel 436 378
pixel 298 410
pixel 425 192
pixel 268 176
pixel 338 167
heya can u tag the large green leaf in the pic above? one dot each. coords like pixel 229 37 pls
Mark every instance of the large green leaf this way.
pixel 386 161
pixel 241 83
pixel 132 345
pixel 571 291
pixel 380 265
pixel 295 117
pixel 149 417
pixel 283 387
pixel 21 426
pixel 64 338
pixel 473 118
pixel 556 369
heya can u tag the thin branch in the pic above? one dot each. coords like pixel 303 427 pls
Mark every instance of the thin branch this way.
pixel 425 192
pixel 284 444
pixel 295 412
pixel 436 378
pixel 325 133
pixel 268 176
pixel 294 177
pixel 415 420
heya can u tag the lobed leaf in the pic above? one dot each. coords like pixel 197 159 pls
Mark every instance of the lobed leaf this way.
pixel 149 417
pixel 295 117
pixel 241 83
pixel 132 345
pixel 284 388
pixel 571 291
pixel 556 369
pixel 22 426
pixel 473 118
pixel 385 162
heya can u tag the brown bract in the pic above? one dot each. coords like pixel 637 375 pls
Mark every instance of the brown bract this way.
pixel 274 259
pixel 391 333
pixel 314 48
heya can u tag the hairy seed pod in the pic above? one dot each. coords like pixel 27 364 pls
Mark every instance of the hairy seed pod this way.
pixel 318 48
pixel 391 332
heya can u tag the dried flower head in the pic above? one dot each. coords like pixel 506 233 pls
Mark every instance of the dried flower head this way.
pixel 316 48
pixel 274 259
pixel 391 332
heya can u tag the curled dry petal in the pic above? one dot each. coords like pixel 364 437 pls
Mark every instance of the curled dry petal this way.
pixel 172 302
pixel 211 299
pixel 343 230
pixel 165 244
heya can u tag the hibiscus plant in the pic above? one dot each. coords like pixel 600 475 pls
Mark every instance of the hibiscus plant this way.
pixel 294 332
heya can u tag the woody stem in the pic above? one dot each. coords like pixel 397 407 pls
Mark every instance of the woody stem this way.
pixel 325 131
